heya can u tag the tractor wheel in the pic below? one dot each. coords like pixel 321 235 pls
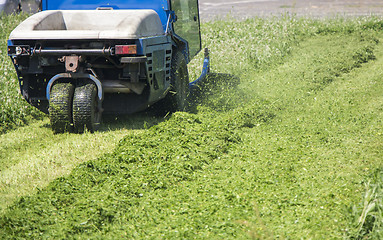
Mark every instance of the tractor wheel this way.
pixel 85 108
pixel 179 79
pixel 60 107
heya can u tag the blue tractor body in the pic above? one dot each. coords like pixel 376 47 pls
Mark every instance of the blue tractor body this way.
pixel 78 59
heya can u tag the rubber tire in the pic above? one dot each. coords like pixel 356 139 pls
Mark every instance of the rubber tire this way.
pixel 60 107
pixel 179 80
pixel 85 108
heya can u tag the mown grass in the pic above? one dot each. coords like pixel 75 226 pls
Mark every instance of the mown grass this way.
pixel 285 154
pixel 14 110
pixel 32 156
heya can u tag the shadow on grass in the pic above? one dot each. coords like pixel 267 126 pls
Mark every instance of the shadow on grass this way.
pixel 158 113
pixel 212 83
pixel 136 121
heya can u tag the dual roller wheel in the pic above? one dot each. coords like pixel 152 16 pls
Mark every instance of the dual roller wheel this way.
pixel 74 109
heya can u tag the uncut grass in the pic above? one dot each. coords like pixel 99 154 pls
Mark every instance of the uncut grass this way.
pixel 14 110
pixel 368 215
pixel 266 160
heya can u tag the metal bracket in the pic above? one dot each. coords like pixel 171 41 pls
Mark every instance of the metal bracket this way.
pixel 140 59
pixel 171 19
pixel 75 76
pixel 205 69
pixel 71 63
pixel 105 8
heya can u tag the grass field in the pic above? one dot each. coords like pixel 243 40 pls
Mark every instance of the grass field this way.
pixel 291 152
pixel 14 111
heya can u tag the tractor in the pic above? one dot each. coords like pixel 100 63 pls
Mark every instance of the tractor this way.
pixel 16 6
pixel 78 60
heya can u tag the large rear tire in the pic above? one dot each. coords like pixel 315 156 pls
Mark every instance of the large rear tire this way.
pixel 179 79
pixel 86 114
pixel 60 107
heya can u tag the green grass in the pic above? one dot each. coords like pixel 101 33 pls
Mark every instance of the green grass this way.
pixel 32 156
pixel 369 215
pixel 287 154
pixel 14 110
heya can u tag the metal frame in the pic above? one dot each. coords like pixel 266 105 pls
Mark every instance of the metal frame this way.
pixel 75 76
pixel 205 70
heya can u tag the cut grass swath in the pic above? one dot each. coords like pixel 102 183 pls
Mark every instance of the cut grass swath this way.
pixel 293 140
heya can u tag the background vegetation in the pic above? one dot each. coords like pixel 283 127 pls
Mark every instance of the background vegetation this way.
pixel 292 151
pixel 14 111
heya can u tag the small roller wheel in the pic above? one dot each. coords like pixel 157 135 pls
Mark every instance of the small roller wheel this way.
pixel 60 107
pixel 179 81
pixel 86 114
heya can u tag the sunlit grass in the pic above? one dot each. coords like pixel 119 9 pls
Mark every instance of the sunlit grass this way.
pixel 369 216
pixel 32 156
pixel 285 154
pixel 14 110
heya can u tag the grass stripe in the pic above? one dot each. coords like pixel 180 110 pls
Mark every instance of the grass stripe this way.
pixel 282 156
pixel 273 168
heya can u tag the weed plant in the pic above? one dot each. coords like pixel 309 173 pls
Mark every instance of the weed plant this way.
pixel 369 214
pixel 283 155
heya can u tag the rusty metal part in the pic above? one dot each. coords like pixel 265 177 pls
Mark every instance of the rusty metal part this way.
pixel 71 63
